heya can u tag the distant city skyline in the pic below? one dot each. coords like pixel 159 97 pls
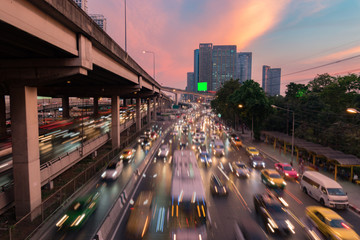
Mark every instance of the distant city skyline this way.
pixel 243 66
pixel 292 35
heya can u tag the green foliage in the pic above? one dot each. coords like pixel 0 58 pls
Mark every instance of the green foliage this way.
pixel 320 112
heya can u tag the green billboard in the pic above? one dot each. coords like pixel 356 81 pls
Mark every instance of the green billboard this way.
pixel 202 86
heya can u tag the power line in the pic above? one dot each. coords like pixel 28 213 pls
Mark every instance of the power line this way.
pixel 323 65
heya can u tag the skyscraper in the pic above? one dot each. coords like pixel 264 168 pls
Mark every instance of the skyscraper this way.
pixel 223 65
pixel 82 4
pixel 196 68
pixel 271 80
pixel 190 82
pixel 243 66
pixel 205 63
pixel 100 20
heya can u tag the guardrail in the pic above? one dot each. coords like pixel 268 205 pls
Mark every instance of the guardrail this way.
pixel 27 226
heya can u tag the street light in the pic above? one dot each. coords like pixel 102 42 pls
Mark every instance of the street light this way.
pixel 352 111
pixel 293 129
pixel 153 61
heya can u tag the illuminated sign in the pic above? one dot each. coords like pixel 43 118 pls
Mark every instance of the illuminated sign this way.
pixel 202 86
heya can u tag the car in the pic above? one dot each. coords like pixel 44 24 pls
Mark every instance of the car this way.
pixel 218 148
pixel 330 223
pixel 217 187
pixel 272 178
pixel 273 214
pixel 127 154
pixel 78 212
pixel 286 170
pixel 236 141
pixel 164 151
pixel 183 143
pixel 240 169
pixel 205 158
pixel 174 132
pixel 140 216
pixel 256 161
pixel 153 135
pixel 251 151
pixel 113 170
pixel 142 139
pixel 147 132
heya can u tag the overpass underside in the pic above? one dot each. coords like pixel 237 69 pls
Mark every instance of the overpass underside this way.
pixel 52 48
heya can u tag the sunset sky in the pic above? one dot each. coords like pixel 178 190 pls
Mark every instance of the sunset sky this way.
pixel 293 35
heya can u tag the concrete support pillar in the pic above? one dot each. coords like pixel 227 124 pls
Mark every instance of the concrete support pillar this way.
pixel 124 102
pixel 148 117
pixel 2 116
pixel 155 100
pixel 138 114
pixel 115 121
pixel 176 99
pixel 96 107
pixel 65 107
pixel 25 145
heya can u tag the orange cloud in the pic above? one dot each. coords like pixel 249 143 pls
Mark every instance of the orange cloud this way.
pixel 335 56
pixel 172 31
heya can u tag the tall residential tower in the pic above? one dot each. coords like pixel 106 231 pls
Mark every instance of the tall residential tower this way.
pixel 205 63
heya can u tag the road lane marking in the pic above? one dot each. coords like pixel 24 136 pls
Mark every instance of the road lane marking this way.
pixel 295 218
pixel 239 194
pixel 293 196
pixel 223 173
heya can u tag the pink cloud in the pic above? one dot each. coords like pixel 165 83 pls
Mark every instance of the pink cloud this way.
pixel 160 26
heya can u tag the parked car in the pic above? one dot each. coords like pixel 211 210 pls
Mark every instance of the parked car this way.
pixel 271 178
pixel 256 161
pixel 275 218
pixel 330 223
pixel 286 170
pixel 217 187
pixel 240 169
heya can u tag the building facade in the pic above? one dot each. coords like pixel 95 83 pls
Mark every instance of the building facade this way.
pixel 196 68
pixel 190 82
pixel 243 66
pixel 223 65
pixel 100 20
pixel 205 63
pixel 82 4
pixel 271 79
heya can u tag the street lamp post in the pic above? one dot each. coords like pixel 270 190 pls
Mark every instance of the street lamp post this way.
pixel 125 28
pixel 293 129
pixel 153 61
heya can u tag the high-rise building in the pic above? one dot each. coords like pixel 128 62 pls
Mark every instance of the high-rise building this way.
pixel 205 63
pixel 223 65
pixel 190 82
pixel 100 20
pixel 196 68
pixel 243 66
pixel 271 80
pixel 82 4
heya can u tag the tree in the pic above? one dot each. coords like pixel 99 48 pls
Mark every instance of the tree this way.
pixel 221 103
pixel 256 106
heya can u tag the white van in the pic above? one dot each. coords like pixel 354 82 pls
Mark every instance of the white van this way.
pixel 323 189
pixel 219 149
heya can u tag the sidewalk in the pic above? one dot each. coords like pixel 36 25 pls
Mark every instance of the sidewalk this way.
pixel 351 189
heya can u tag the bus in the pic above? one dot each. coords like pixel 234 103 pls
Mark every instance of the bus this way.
pixel 188 204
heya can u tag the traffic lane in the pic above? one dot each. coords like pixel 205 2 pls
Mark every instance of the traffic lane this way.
pixel 223 211
pixel 157 178
pixel 109 191
pixel 247 187
pixel 298 201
